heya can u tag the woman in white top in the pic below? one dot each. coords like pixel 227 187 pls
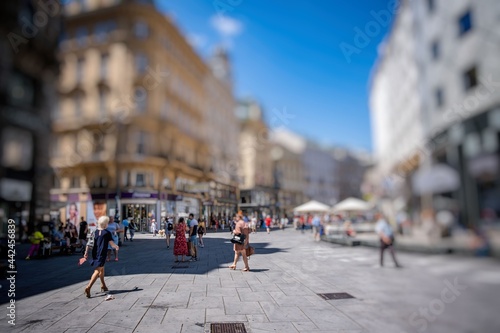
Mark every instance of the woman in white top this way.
pixel 114 229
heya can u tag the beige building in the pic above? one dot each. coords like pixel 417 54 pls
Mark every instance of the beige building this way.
pixel 256 175
pixel 137 117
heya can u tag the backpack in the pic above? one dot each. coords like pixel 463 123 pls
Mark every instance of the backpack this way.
pixel 170 226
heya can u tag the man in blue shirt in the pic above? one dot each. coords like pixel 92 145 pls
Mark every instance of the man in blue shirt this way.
pixel 125 226
pixel 386 235
pixel 316 225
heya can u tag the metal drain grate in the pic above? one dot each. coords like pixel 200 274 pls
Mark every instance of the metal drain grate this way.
pixel 331 296
pixel 227 328
pixel 175 267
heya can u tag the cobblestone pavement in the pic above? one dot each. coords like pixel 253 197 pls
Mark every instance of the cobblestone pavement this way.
pixel 439 293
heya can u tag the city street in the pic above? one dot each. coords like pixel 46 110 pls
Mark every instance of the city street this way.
pixel 440 293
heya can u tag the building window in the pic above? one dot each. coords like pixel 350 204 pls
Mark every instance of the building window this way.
pixel 98 141
pixel 141 99
pixel 104 66
pixel 84 6
pixel 435 50
pixel 103 29
pixel 141 63
pixel 431 5
pixel 127 178
pixel 465 23
pixel 141 30
pixel 100 182
pixel 17 148
pixel 439 97
pixel 81 36
pixel 140 180
pixel 21 90
pixel 79 70
pixel 75 182
pixel 56 182
pixel 152 179
pixel 103 100
pixel 78 106
pixel 141 143
pixel 470 78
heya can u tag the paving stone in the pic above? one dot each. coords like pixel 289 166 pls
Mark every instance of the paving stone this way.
pixel 279 294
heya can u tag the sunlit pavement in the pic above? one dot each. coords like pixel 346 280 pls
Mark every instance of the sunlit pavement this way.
pixel 152 294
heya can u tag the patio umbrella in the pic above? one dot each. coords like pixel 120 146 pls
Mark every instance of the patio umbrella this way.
pixel 312 206
pixel 352 205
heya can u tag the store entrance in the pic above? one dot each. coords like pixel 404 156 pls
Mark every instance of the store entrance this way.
pixel 142 214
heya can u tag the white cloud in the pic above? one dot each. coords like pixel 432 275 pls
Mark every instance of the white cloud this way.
pixel 226 26
pixel 197 41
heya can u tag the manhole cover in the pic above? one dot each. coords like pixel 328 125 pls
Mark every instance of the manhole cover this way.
pixel 227 328
pixel 335 296
pixel 175 267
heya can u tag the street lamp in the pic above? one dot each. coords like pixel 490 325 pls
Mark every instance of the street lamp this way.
pixel 276 155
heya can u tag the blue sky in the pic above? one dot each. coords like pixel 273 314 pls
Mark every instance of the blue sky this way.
pixel 288 56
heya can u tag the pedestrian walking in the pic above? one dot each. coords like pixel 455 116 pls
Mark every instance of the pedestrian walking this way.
pixel 35 240
pixel 153 227
pixel 71 236
pixel 268 223
pixel 201 232
pixel 102 239
pixel 169 230
pixel 386 235
pixel 82 235
pixel 180 244
pixel 113 228
pixel 132 227
pixel 240 249
pixel 193 232
pixel 125 223
pixel 284 222
pixel 316 225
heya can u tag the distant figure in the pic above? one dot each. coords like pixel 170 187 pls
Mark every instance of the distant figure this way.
pixel 82 235
pixel 193 232
pixel 348 229
pixel 201 232
pixel 268 223
pixel 386 235
pixel 480 242
pixel 132 227
pixel 253 224
pixel 70 234
pixel 316 225
pixel 284 222
pixel 125 223
pixel 114 229
pixel 35 240
pixel 180 244
pixel 153 227
pixel 169 230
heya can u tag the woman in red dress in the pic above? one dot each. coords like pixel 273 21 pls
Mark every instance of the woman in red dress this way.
pixel 180 243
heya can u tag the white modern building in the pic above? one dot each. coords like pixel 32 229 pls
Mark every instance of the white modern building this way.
pixel 435 100
pixel 396 107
